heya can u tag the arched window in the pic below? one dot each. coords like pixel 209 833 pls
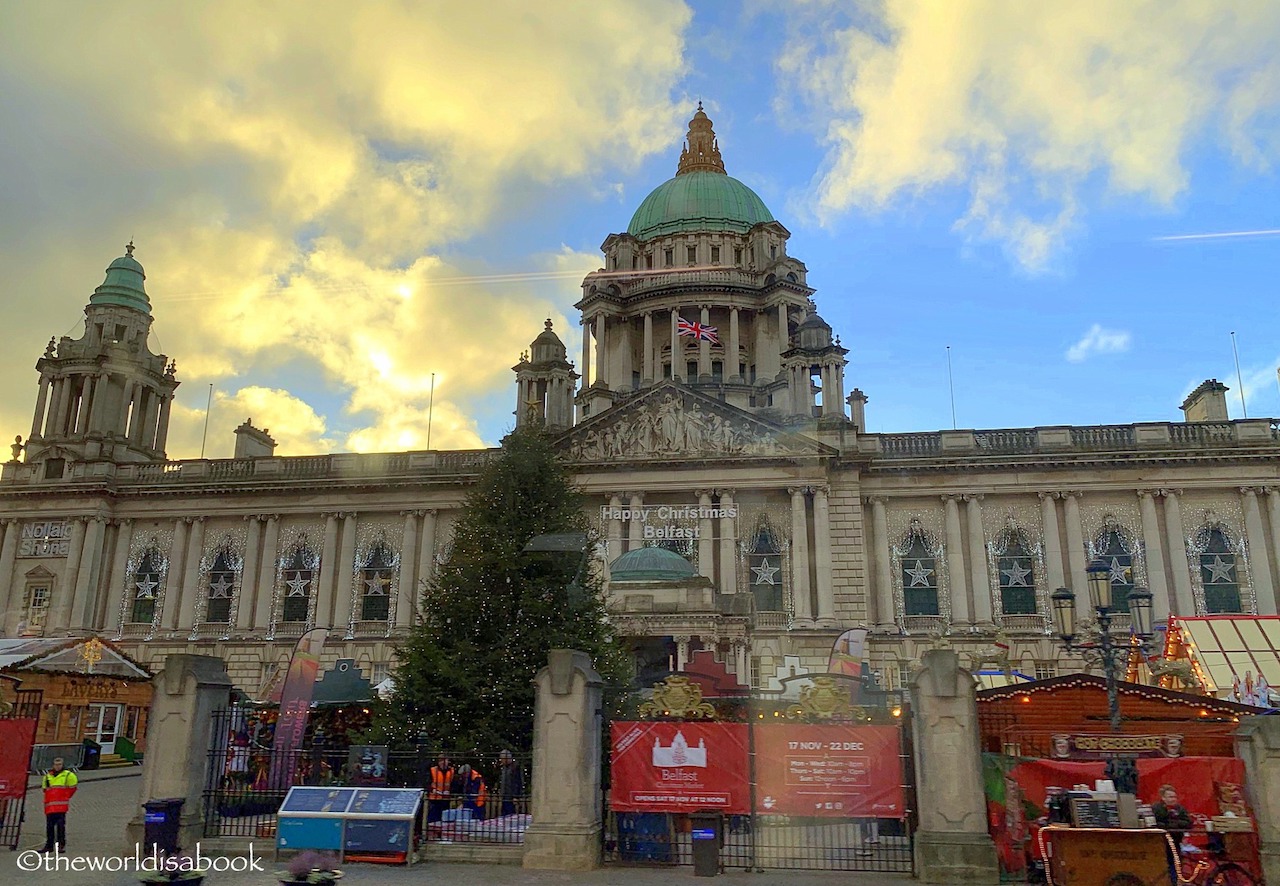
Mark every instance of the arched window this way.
pixel 1219 573
pixel 1016 574
pixel 919 577
pixel 147 579
pixel 221 586
pixel 375 584
pixel 299 585
pixel 765 563
pixel 1112 547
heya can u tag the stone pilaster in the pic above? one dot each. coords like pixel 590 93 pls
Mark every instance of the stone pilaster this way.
pixel 886 615
pixel 1184 601
pixel 1259 562
pixel 186 615
pixel 343 614
pixel 249 572
pixel 961 613
pixel 1153 548
pixel 407 596
pixel 800 557
pixel 979 577
pixel 826 614
pixel 728 545
pixel 1076 558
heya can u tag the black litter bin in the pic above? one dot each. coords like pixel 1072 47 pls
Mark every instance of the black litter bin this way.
pixel 91 755
pixel 707 831
pixel 161 824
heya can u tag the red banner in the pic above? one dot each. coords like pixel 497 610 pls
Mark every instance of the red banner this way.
pixel 16 737
pixel 830 770
pixel 679 767
pixel 295 706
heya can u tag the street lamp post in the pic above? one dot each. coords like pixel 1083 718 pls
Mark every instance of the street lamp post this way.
pixel 1097 646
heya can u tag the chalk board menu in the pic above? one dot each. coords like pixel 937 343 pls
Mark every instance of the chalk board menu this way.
pixel 1091 812
pixel 330 801
pixel 386 802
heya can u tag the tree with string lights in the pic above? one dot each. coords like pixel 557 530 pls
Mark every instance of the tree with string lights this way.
pixel 495 609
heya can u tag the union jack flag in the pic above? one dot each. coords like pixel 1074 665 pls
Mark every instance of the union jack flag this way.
pixel 698 331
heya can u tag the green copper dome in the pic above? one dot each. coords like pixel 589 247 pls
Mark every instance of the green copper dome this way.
pixel 651 564
pixel 698 201
pixel 124 284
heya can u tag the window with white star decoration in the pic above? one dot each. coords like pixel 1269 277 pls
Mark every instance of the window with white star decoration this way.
pixel 919 580
pixel 299 577
pixel 222 583
pixel 1119 559
pixel 1220 575
pixel 1016 577
pixel 146 587
pixel 375 579
pixel 765 564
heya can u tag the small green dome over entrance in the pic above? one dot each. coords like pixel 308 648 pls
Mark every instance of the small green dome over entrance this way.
pixel 124 284
pixel 651 564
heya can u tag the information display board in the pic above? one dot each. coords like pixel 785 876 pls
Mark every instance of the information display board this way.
pixel 371 821
pixel 386 802
pixel 316 801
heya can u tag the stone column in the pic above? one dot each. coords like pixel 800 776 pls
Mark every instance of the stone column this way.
pixel 262 603
pixel 602 367
pixel 677 371
pixel 101 384
pixel 800 558
pixel 566 828
pixel 328 566
pixel 11 602
pixel 951 845
pixel 58 420
pixel 118 581
pixel 728 546
pixel 704 348
pixel 1184 600
pixel 826 614
pixel 706 539
pixel 1258 745
pixel 1154 552
pixel 886 616
pixel 42 398
pixel 249 587
pixel 614 532
pixel 646 370
pixel 427 546
pixel 1076 557
pixel 635 529
pixel 162 431
pixel 980 578
pixel 1273 516
pixel 961 613
pixel 735 349
pixel 1259 560
pixel 407 595
pixel 60 614
pixel 85 603
pixel 682 650
pixel 784 332
pixel 187 615
pixel 188 689
pixel 1052 542
pixel 343 615
pixel 150 420
pixel 586 353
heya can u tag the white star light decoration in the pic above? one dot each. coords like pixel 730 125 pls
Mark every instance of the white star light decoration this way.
pixel 222 587
pixel 1119 572
pixel 1220 571
pixel 298 585
pixel 376 586
pixel 146 586
pixel 919 575
pixel 1017 576
pixel 765 574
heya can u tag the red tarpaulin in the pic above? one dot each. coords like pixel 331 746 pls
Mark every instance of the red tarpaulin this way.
pixel 1193 777
pixel 830 770
pixel 16 737
pixel 679 767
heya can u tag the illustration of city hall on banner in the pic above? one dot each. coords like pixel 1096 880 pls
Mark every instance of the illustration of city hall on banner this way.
pixel 746 512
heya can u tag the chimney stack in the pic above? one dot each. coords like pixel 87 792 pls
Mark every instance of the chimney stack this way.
pixel 1208 402
pixel 253 442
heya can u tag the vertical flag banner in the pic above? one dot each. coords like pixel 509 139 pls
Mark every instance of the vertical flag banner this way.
pixel 295 705
pixel 848 653
pixel 17 735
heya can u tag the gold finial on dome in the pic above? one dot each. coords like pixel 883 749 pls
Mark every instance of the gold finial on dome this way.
pixel 701 151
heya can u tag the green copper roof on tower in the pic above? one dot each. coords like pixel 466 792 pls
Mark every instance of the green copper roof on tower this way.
pixel 124 284
pixel 701 197
pixel 651 564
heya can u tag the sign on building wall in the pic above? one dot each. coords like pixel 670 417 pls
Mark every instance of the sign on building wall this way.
pixel 829 770
pixel 679 767
pixel 48 538
pixel 668 522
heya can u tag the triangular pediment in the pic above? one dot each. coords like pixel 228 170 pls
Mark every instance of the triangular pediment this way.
pixel 89 656
pixel 670 421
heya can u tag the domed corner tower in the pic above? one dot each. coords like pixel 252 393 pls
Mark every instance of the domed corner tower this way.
pixel 545 382
pixel 700 290
pixel 104 397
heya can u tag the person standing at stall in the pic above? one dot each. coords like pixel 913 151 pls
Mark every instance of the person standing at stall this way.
pixel 1171 815
pixel 438 795
pixel 510 784
pixel 59 786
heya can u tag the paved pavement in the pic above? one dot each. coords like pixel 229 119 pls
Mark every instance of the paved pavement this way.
pixel 106 800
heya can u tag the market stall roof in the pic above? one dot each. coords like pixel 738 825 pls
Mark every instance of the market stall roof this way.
pixel 69 655
pixel 344 684
pixel 1216 706
pixel 1225 648
pixel 995 679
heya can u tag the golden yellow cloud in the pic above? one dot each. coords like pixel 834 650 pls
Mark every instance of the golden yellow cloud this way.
pixel 1022 102
pixel 297 175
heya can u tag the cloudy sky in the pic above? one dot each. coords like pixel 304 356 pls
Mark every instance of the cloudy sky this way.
pixel 335 200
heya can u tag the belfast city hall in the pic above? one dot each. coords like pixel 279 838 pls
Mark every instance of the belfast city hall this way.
pixel 744 512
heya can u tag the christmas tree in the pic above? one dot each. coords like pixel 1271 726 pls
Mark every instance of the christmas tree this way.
pixel 494 610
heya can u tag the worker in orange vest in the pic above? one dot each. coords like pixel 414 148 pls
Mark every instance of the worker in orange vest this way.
pixel 59 785
pixel 438 795
pixel 472 788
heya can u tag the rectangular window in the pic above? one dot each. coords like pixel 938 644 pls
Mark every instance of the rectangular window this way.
pixel 669 256
pixel 755 671
pixel 773 252
pixel 131 722
pixel 375 603
pixel 1046 670
pixel 715 255
pixel 143 611
pixel 904 677
pixel 691 370
pixel 648 261
pixel 635 262
pixel 717 371
pixel 737 256
pixel 37 607
pixel 379 672
pixel 920 601
pixel 693 255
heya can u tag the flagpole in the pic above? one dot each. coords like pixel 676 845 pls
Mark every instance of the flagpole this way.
pixel 209 405
pixel 951 384
pixel 431 405
pixel 1239 377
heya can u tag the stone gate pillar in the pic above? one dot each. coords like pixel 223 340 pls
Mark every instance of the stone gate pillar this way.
pixel 566 829
pixel 1258 744
pixel 187 692
pixel 951 845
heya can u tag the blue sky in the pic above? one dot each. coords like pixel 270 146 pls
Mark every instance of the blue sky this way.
pixel 329 214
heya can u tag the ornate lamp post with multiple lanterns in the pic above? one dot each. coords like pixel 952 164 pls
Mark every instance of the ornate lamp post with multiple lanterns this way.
pixel 1096 645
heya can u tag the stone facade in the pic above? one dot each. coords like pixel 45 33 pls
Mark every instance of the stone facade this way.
pixel 737 452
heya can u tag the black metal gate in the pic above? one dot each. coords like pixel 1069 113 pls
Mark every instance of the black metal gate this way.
pixel 762 840
pixel 13 810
